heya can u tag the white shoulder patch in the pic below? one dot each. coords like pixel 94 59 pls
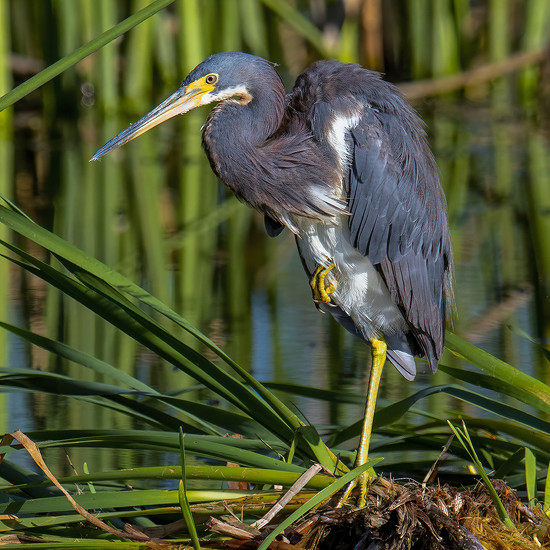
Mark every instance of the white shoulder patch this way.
pixel 339 126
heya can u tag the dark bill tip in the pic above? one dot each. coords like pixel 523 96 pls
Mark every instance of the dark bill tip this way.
pixel 177 104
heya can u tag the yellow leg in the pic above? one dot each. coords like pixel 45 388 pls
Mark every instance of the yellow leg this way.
pixel 321 293
pixel 378 359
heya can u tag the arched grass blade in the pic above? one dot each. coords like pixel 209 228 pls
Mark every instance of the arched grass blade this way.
pixel 392 413
pixel 127 317
pixel 497 368
pixel 71 256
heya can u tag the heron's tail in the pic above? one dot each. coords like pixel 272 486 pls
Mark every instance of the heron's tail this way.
pixel 400 354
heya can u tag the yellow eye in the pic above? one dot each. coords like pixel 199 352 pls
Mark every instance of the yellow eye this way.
pixel 211 79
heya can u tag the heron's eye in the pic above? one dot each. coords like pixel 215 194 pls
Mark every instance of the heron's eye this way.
pixel 211 79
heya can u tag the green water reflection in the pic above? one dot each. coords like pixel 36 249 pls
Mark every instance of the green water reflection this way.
pixel 154 211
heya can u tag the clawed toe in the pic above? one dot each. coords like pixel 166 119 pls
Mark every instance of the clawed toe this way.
pixel 321 292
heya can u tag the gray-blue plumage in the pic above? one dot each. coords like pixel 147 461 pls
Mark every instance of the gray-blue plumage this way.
pixel 396 205
pixel 343 162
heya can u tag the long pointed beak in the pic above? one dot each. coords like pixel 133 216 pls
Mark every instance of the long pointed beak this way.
pixel 178 103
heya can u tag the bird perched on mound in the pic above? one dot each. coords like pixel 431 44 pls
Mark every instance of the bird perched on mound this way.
pixel 341 161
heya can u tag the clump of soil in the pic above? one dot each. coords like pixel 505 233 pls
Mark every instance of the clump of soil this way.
pixel 413 517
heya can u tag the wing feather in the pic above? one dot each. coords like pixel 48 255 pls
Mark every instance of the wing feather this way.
pixel 397 212
pixel 398 219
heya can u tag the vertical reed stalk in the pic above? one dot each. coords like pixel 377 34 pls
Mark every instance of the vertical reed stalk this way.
pixel 419 18
pixel 349 34
pixel 539 222
pixel 253 26
pixel 139 62
pixel 536 35
pixel 499 48
pixel 231 36
pixel 69 38
pixel 166 49
pixel 192 46
pixel 445 41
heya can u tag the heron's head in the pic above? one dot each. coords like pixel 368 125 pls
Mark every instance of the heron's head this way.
pixel 233 76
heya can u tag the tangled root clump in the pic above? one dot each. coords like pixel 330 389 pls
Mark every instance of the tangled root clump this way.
pixel 412 517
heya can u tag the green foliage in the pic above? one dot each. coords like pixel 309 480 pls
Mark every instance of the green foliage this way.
pixel 270 430
pixel 183 500
pixel 531 476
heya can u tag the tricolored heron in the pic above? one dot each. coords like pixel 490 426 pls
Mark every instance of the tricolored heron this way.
pixel 342 161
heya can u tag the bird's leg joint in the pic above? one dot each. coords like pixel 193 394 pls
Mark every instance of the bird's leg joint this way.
pixel 321 291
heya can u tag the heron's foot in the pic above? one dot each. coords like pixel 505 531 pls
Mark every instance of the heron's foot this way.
pixel 322 292
pixel 362 482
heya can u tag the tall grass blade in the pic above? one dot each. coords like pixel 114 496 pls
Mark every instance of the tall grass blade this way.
pixel 531 477
pixel 547 493
pixel 182 496
pixel 464 437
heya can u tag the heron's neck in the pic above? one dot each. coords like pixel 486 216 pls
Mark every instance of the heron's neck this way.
pixel 272 164
pixel 235 132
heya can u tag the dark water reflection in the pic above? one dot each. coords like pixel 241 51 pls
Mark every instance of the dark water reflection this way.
pixel 155 212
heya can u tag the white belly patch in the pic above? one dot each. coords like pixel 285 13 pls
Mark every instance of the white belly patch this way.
pixel 360 292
